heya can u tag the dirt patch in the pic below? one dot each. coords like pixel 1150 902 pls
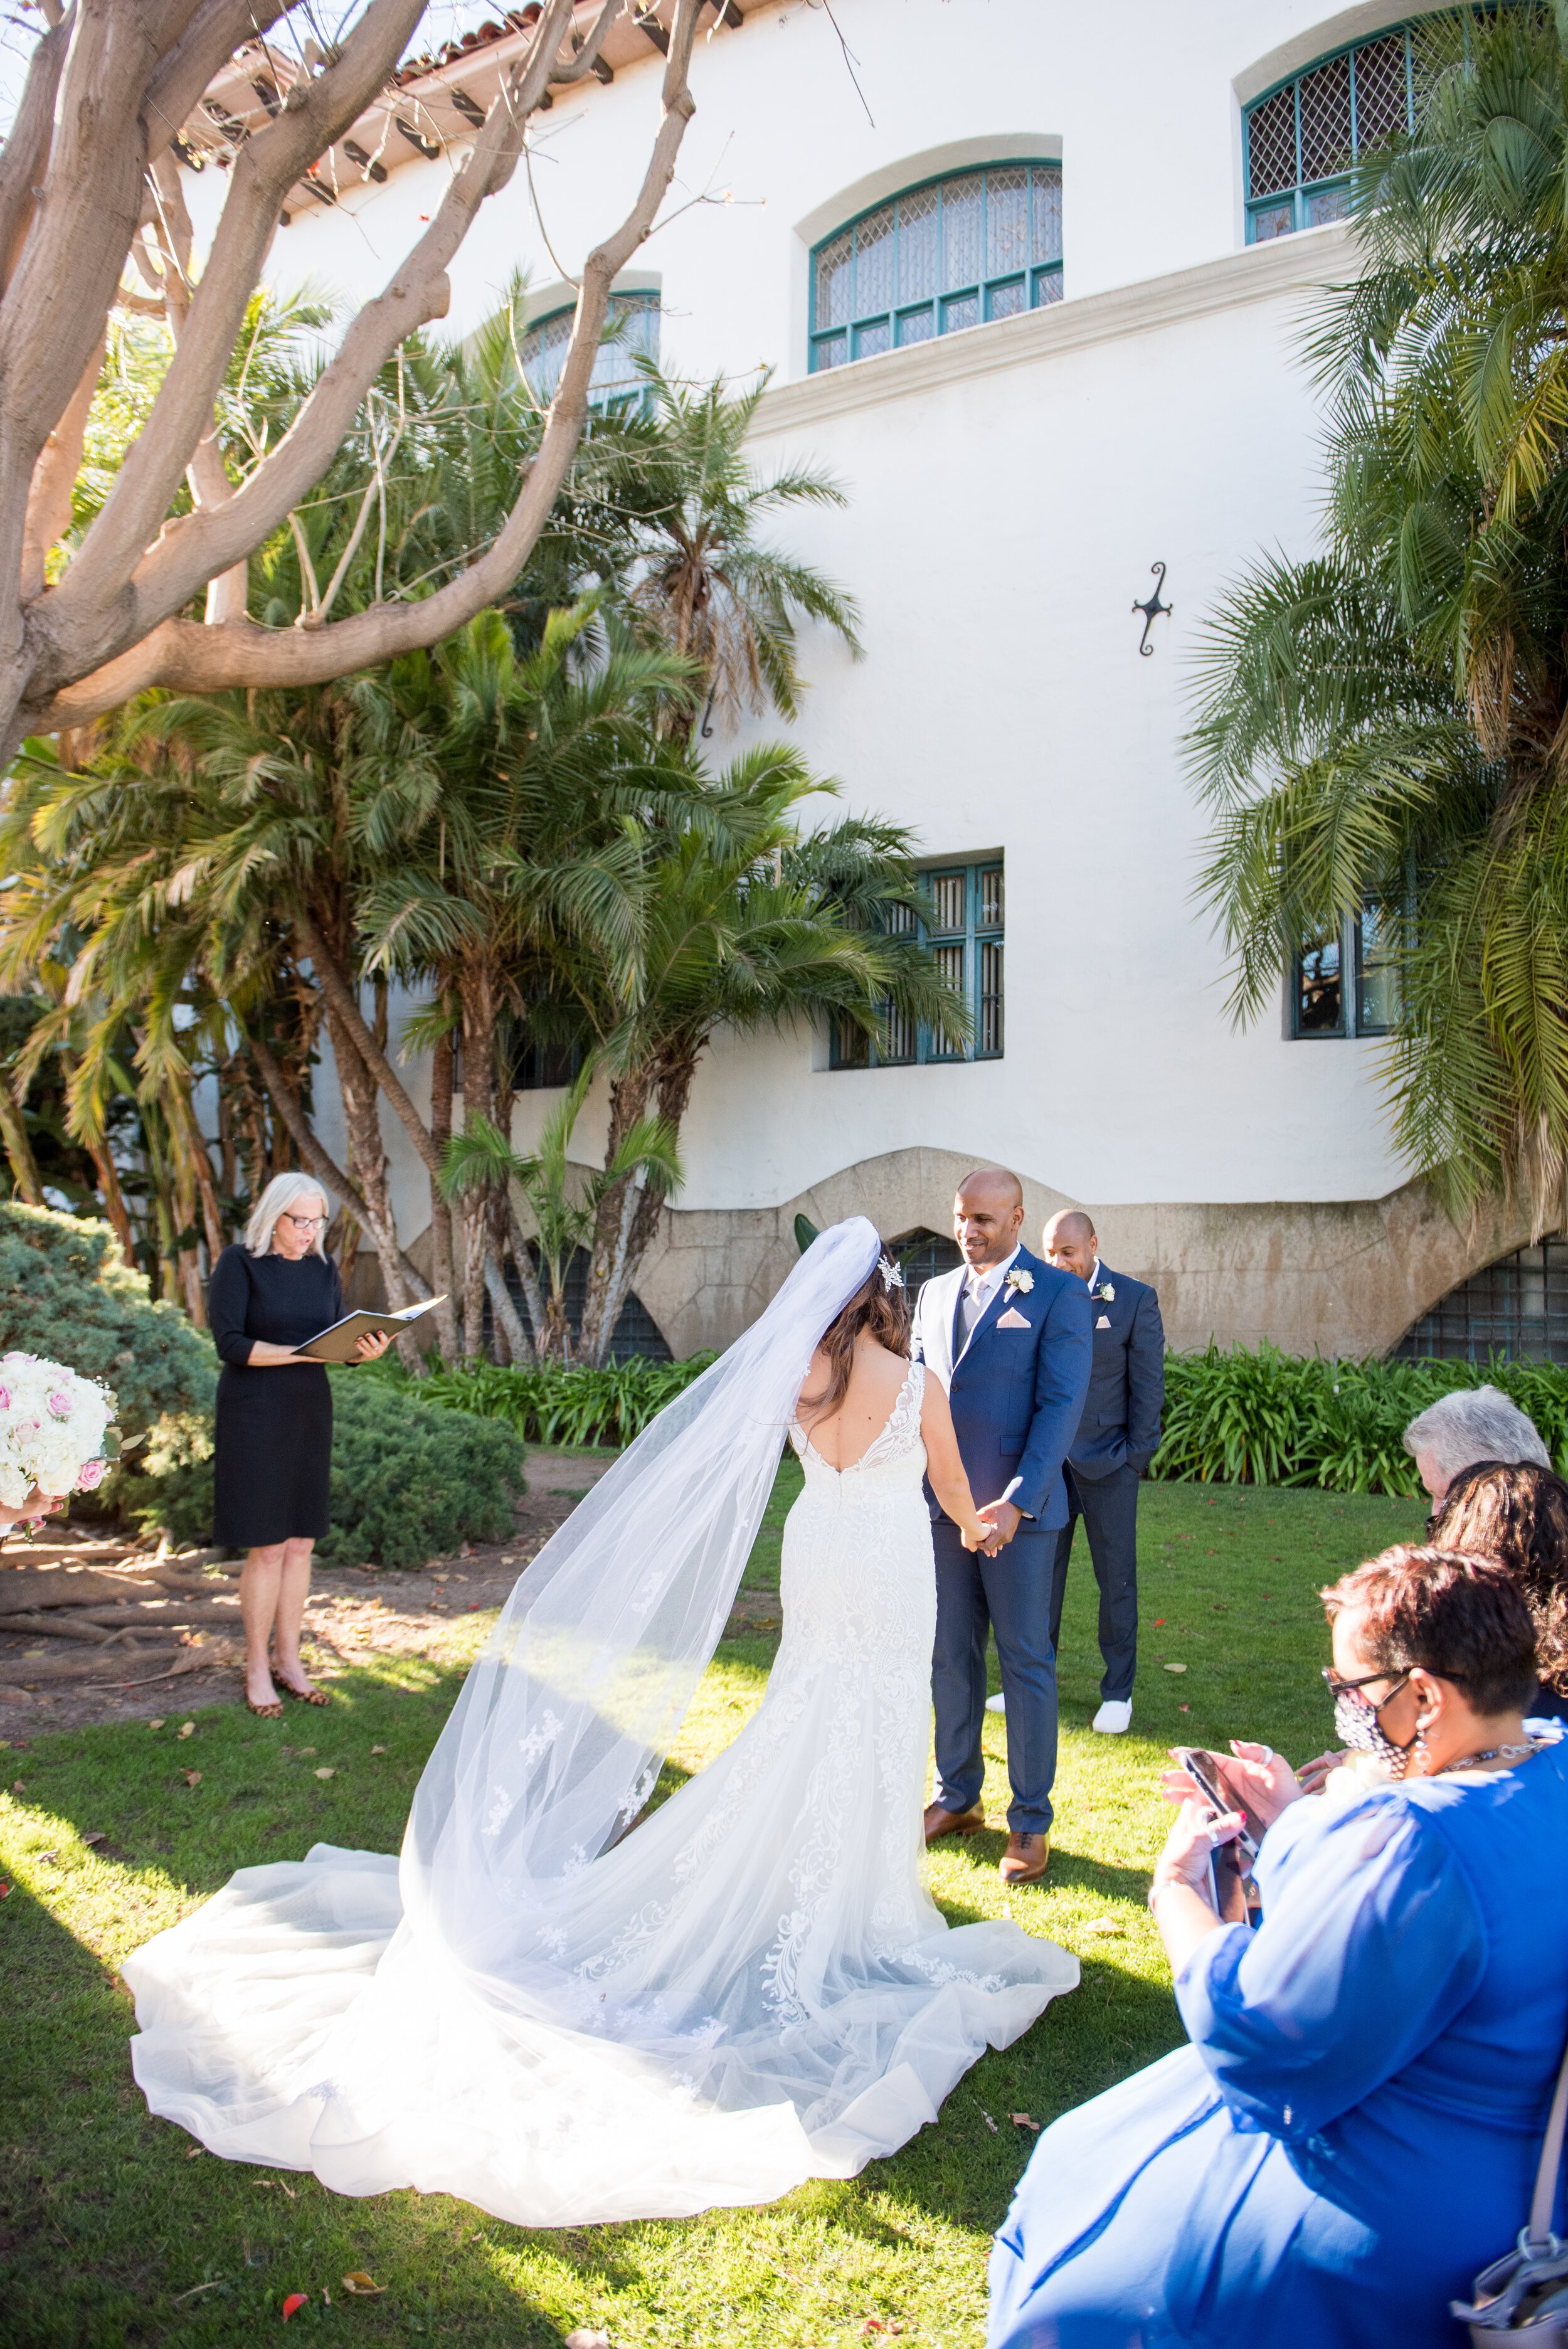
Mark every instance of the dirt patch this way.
pixel 181 1647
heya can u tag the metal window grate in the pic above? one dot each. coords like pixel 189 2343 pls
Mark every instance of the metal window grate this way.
pixel 980 244
pixel 632 328
pixel 1517 1307
pixel 636 1331
pixel 921 1255
pixel 1303 138
pixel 963 926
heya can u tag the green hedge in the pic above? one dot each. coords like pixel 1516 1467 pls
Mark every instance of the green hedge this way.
pixel 557 1406
pixel 408 1481
pixel 1269 1418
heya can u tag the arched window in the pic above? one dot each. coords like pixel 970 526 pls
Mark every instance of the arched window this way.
pixel 634 327
pixel 1517 1307
pixel 979 244
pixel 1303 138
pixel 922 1253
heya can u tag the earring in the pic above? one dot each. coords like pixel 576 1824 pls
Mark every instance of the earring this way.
pixel 1423 1722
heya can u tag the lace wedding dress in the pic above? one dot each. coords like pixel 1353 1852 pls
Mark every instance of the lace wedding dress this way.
pixel 752 1987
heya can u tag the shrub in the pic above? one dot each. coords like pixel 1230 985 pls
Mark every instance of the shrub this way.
pixel 66 1293
pixel 1240 1417
pixel 408 1481
pixel 556 1405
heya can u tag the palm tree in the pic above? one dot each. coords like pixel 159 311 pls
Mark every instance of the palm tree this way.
pixel 564 1207
pixel 702 579
pixel 1386 726
pixel 718 911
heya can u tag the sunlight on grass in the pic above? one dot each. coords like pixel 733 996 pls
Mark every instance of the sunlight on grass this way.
pixel 108 2223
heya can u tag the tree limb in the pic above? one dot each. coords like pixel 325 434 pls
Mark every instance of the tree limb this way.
pixel 344 1002
pixel 26 153
pixel 55 477
pixel 314 113
pixel 193 658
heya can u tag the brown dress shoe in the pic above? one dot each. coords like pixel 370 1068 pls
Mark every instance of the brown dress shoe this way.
pixel 1025 1858
pixel 939 1822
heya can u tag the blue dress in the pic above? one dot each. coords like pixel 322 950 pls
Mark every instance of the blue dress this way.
pixel 1354 2131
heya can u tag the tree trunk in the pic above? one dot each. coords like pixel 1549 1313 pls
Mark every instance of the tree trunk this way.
pixel 443 1272
pixel 478 1001
pixel 361 1115
pixel 628 1102
pixel 18 1149
pixel 637 1220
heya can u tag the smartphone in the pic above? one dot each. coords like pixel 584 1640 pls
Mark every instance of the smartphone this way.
pixel 1207 1771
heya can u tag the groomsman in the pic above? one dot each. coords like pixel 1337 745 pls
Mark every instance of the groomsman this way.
pixel 1117 1438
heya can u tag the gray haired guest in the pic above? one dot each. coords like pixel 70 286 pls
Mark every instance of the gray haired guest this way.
pixel 1460 1429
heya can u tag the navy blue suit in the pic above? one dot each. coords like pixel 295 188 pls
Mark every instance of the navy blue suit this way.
pixel 1117 1438
pixel 1016 1393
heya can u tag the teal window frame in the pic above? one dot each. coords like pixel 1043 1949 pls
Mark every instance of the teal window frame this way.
pixel 967 934
pixel 1308 199
pixel 1368 1007
pixel 893 320
pixel 615 383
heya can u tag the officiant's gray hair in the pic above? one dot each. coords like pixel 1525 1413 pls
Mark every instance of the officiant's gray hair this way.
pixel 276 1200
pixel 1471 1424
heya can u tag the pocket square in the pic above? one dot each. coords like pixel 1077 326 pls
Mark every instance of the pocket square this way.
pixel 1012 1319
pixel 1104 1321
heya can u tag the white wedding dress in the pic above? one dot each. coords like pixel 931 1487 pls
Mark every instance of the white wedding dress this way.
pixel 750 1989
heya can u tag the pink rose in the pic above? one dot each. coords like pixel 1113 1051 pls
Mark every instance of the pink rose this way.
pixel 60 1403
pixel 91 1472
pixel 5 1398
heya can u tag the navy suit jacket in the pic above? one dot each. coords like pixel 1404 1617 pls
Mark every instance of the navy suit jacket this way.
pixel 1016 1393
pixel 1120 1419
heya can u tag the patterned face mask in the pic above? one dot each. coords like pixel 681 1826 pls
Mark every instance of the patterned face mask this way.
pixel 1357 1726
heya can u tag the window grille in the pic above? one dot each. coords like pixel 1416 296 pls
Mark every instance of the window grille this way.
pixel 1346 984
pixel 951 254
pixel 964 931
pixel 1302 139
pixel 921 1255
pixel 631 329
pixel 538 1068
pixel 1517 1307
pixel 636 1331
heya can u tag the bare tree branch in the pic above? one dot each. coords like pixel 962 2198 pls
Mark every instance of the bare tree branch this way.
pixel 55 477
pixel 346 1003
pixel 195 659
pixel 27 151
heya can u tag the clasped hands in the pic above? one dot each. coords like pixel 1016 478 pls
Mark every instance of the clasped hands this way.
pixel 1002 1520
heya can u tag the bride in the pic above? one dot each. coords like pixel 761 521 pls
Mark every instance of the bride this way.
pixel 561 2010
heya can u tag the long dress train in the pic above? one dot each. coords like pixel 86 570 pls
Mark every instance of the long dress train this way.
pixel 751 1988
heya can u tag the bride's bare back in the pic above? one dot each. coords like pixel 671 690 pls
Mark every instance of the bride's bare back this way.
pixel 840 1438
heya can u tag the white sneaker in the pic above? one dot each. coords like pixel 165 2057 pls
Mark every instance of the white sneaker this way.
pixel 997 1703
pixel 1114 1718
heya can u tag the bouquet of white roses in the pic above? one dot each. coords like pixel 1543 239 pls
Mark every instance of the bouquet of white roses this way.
pixel 57 1429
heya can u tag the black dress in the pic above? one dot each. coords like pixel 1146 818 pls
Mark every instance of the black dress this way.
pixel 273 1473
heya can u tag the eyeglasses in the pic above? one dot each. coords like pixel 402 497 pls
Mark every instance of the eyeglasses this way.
pixel 1338 1686
pixel 302 1222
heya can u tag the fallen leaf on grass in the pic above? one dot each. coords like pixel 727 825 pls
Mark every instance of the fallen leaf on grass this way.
pixel 159 1723
pixel 52 1857
pixel 194 2152
pixel 279 2184
pixel 1175 1668
pixel 586 2338
pixel 187 1729
pixel 988 2121
pixel 91 1839
pixel 363 2286
pixel 18 1785
pixel 5 1893
pixel 325 1773
pixel 1105 1925
pixel 379 1749
pixel 1023 2120
pixel 191 1777
pixel 293 2303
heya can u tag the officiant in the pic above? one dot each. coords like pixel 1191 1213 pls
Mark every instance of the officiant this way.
pixel 270 1293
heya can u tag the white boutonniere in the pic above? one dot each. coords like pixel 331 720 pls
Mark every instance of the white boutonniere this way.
pixel 1020 1278
pixel 1106 1291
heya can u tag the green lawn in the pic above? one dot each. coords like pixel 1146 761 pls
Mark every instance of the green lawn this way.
pixel 106 2225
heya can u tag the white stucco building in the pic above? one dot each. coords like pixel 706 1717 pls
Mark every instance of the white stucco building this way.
pixel 1011 484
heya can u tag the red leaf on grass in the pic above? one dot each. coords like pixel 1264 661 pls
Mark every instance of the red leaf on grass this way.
pixel 293 2303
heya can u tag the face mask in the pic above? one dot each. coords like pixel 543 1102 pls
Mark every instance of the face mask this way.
pixel 1357 1726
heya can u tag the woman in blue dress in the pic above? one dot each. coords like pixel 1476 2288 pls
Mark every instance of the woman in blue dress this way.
pixel 1352 2134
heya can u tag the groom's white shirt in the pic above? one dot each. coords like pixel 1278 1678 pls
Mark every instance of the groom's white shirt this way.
pixel 937 1310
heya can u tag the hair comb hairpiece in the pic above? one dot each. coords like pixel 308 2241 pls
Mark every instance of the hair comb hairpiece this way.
pixel 892 1277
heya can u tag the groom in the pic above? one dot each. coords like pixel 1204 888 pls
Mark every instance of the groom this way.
pixel 1009 1336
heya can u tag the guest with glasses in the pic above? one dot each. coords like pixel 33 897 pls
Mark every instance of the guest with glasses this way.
pixel 1351 2133
pixel 272 1469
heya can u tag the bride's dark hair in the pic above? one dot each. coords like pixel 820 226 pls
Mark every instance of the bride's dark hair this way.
pixel 876 1306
